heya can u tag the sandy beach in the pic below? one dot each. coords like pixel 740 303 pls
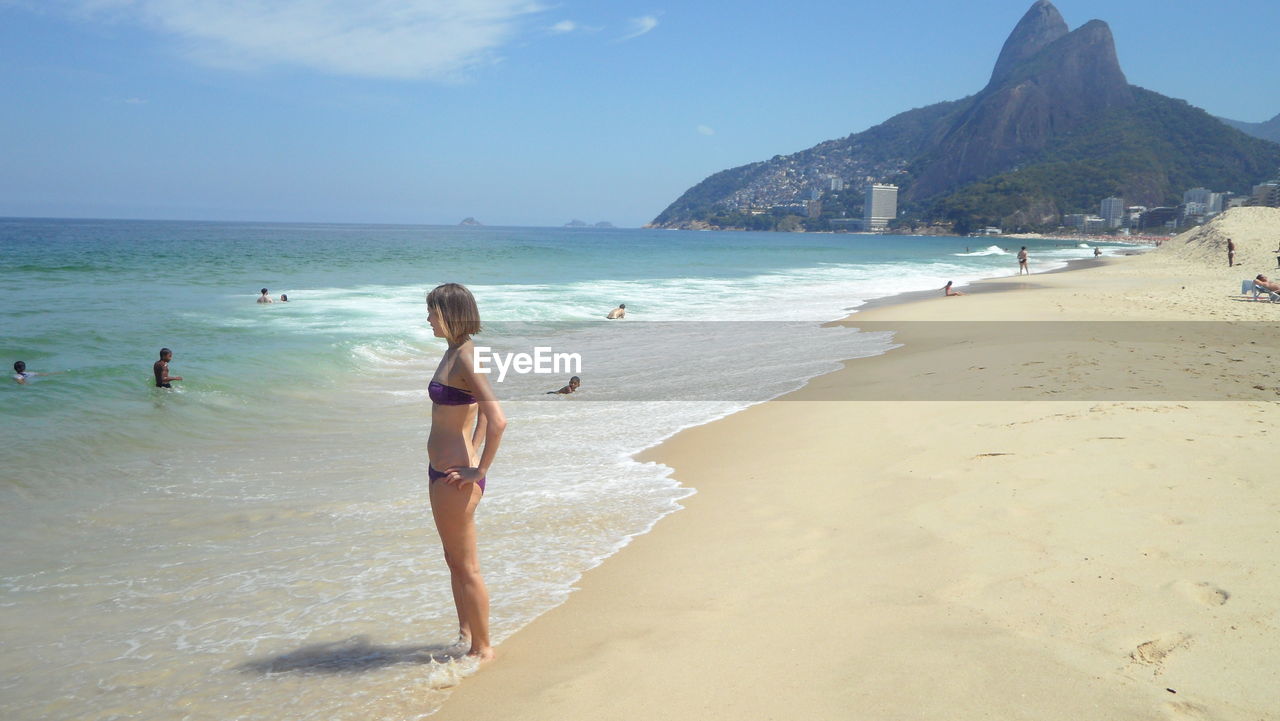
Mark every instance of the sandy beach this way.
pixel 1010 544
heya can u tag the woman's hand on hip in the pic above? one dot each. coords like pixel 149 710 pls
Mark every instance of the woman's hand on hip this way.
pixel 462 475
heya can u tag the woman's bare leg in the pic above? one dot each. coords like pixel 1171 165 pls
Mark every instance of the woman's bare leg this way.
pixel 454 511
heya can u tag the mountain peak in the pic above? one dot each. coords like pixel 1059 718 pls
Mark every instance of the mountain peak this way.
pixel 1039 27
pixel 1061 86
pixel 1057 127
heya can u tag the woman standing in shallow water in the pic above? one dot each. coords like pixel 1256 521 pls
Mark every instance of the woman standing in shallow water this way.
pixel 461 399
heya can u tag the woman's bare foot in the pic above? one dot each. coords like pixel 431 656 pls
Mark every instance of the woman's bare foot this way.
pixel 483 655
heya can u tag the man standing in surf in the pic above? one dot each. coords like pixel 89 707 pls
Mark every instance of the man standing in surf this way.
pixel 1022 261
pixel 464 413
pixel 161 369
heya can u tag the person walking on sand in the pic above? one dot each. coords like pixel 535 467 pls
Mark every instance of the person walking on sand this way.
pixel 464 414
pixel 1231 253
pixel 619 312
pixel 1022 261
pixel 264 298
pixel 947 291
pixel 161 369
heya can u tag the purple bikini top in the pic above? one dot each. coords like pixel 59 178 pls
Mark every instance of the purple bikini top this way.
pixel 448 395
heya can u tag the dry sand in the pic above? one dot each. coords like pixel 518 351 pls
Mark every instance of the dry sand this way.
pixel 1064 556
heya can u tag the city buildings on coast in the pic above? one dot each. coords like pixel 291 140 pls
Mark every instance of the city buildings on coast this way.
pixel 880 208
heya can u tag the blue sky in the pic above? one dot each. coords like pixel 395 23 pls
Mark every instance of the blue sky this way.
pixel 516 112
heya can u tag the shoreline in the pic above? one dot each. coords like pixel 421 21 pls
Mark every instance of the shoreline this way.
pixel 900 582
pixel 933 559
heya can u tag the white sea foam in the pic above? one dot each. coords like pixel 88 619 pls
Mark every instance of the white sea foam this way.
pixel 989 250
pixel 269 553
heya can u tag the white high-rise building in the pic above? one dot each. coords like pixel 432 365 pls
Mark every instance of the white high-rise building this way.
pixel 1212 201
pixel 1267 194
pixel 837 184
pixel 1113 212
pixel 881 206
pixel 1196 195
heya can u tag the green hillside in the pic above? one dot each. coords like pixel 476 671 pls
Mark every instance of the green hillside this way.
pixel 1147 154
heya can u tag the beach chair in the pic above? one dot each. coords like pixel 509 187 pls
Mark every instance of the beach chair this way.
pixel 1249 287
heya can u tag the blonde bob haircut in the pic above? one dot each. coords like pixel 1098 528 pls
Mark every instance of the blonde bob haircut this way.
pixel 456 307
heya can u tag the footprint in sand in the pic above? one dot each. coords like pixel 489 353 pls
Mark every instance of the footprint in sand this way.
pixel 1203 593
pixel 1187 711
pixel 1154 652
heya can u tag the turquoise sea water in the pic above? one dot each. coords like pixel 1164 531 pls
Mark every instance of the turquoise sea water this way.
pixel 165 547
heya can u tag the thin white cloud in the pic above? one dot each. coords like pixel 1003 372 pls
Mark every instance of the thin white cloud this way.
pixel 706 130
pixel 640 26
pixel 564 27
pixel 432 39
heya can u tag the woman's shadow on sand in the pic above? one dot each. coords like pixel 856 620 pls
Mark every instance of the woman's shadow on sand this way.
pixel 353 655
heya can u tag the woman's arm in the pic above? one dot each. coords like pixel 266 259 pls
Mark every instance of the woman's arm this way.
pixel 491 417
pixel 482 423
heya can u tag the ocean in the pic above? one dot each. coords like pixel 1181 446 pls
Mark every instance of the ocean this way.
pixel 256 542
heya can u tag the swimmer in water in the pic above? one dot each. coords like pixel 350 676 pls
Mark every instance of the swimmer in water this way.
pixel 161 369
pixel 21 375
pixel 574 382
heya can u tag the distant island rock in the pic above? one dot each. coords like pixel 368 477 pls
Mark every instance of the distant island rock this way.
pixel 603 224
pixel 575 223
pixel 470 221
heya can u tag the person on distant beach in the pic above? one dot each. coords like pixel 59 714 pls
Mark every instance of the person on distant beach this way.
pixel 464 415
pixel 21 375
pixel 264 298
pixel 161 369
pixel 1262 282
pixel 1277 252
pixel 574 382
pixel 1022 261
pixel 1231 253
pixel 947 291
pixel 618 312
pixel 1097 252
pixel 284 298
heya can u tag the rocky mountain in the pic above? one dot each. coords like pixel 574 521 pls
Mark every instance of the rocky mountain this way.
pixel 1056 128
pixel 1269 130
pixel 1051 91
